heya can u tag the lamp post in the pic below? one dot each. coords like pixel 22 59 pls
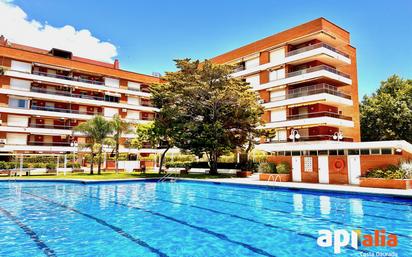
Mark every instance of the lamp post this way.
pixel 294 135
pixel 338 136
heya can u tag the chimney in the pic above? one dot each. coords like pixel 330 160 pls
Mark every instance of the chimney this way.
pixel 116 64
pixel 3 41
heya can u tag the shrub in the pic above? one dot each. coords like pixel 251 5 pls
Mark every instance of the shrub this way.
pixel 249 166
pixel 283 168
pixel 51 166
pixel 386 174
pixel 71 164
pixel 267 167
pixel 39 165
pixel 407 168
pixel 177 164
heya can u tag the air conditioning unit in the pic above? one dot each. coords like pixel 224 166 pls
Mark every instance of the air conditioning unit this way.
pixel 124 110
pixel 3 141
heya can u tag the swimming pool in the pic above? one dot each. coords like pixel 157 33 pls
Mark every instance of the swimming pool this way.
pixel 187 219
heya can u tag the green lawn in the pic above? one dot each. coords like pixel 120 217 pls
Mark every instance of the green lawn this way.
pixel 112 175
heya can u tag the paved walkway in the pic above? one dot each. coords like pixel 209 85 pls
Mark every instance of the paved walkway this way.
pixel 254 180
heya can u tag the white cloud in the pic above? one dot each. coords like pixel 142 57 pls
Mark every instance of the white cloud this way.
pixel 17 28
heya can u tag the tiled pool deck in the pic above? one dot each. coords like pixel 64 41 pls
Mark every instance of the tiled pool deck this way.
pixel 254 181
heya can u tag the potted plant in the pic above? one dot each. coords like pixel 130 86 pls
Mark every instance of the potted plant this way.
pixel 246 169
pixel 395 177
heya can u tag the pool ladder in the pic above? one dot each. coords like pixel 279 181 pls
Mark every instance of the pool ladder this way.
pixel 274 177
pixel 168 176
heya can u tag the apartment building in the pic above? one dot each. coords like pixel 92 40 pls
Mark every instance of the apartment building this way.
pixel 45 93
pixel 307 79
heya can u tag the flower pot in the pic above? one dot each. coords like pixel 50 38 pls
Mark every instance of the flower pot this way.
pixel 243 174
pixel 275 177
pixel 386 183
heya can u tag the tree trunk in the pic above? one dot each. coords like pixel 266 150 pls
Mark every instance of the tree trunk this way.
pixel 91 164
pixel 99 162
pixel 162 157
pixel 213 156
pixel 116 158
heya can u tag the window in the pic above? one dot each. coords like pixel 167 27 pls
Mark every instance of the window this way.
pixel 341 152
pixel 364 152
pixel 323 152
pixel 375 151
pixel 353 151
pixel 109 98
pixel 18 103
pixel 313 153
pixel 296 153
pixel 333 152
pixel 386 151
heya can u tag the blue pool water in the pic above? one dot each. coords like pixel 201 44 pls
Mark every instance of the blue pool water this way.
pixel 188 219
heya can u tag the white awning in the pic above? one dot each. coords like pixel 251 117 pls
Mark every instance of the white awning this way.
pixel 334 145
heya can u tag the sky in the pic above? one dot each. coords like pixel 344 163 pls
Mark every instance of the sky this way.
pixel 146 36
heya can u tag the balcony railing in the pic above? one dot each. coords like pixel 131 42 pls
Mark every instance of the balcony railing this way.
pixel 63 93
pixel 239 68
pixel 48 143
pixel 55 109
pixel 318 114
pixel 48 126
pixel 315 46
pixel 79 79
pixel 311 90
pixel 316 68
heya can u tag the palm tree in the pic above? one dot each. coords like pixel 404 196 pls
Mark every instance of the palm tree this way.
pixel 96 131
pixel 119 127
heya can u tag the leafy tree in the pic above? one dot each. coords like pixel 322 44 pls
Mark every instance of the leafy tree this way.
pixel 209 111
pixel 157 135
pixel 119 127
pixel 97 131
pixel 387 113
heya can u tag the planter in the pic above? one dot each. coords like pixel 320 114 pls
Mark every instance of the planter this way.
pixel 386 183
pixel 275 177
pixel 243 174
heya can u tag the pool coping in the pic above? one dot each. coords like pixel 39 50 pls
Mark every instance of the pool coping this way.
pixel 344 189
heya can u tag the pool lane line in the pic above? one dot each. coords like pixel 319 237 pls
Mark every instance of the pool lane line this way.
pixel 222 213
pixel 204 230
pixel 104 223
pixel 286 212
pixel 336 209
pixel 406 205
pixel 33 236
pixel 5 188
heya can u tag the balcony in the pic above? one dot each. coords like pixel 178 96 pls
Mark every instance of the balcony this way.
pixel 317 68
pixel 78 79
pixel 65 93
pixel 313 118
pixel 310 138
pixel 316 89
pixel 47 126
pixel 73 82
pixel 315 93
pixel 41 143
pixel 54 109
pixel 309 74
pixel 318 114
pixel 316 46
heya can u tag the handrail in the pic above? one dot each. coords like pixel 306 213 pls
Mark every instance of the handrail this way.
pixel 79 79
pixel 35 125
pixel 317 68
pixel 45 91
pixel 55 109
pixel 318 114
pixel 311 90
pixel 315 46
pixel 48 143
